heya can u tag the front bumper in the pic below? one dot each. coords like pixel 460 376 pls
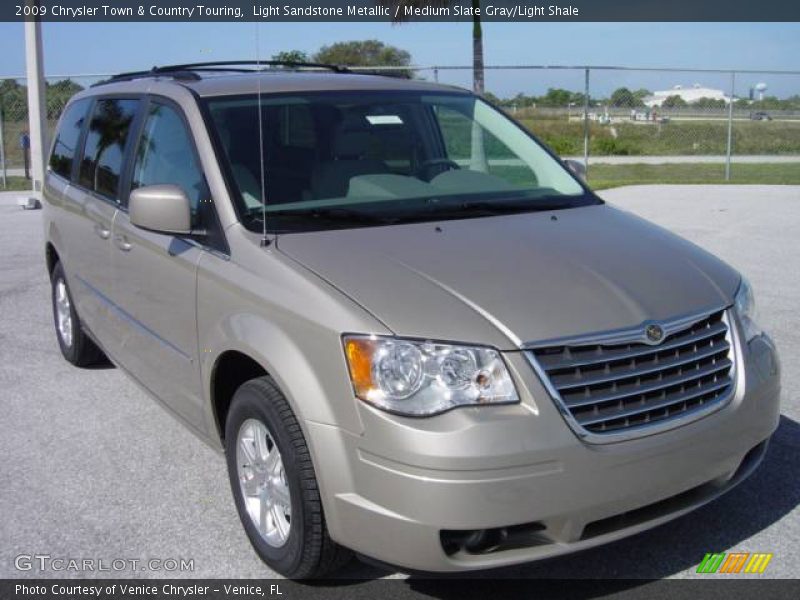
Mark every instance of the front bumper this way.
pixel 416 492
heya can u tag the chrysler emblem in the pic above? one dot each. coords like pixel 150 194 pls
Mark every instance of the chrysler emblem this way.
pixel 654 333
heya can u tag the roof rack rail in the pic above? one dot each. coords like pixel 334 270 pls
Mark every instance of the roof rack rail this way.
pixel 261 63
pixel 188 71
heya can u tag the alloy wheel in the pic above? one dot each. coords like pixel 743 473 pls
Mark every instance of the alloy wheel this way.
pixel 263 483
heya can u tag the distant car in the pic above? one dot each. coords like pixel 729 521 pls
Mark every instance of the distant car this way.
pixel 760 116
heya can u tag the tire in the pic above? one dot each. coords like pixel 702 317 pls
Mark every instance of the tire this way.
pixel 305 550
pixel 75 345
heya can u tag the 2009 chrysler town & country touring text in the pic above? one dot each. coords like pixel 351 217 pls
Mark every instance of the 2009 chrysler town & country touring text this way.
pixel 415 333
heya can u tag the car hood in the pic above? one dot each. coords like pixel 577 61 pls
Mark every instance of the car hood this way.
pixel 517 278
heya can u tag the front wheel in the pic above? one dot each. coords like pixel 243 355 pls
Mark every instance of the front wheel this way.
pixel 274 485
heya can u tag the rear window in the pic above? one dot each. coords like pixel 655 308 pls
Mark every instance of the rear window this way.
pixel 67 138
pixel 106 141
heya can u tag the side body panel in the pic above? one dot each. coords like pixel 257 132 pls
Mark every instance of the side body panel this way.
pixel 154 287
pixel 86 229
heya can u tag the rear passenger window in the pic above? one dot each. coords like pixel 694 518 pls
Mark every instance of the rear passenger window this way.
pixel 166 155
pixel 106 140
pixel 67 138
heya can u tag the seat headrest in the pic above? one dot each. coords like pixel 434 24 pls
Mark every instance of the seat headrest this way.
pixel 351 138
pixel 350 144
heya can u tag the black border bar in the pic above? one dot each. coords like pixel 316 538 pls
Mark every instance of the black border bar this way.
pixel 519 11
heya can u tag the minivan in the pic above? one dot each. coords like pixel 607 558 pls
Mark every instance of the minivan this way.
pixel 414 332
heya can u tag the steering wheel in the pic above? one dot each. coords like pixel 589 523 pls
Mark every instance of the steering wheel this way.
pixel 428 169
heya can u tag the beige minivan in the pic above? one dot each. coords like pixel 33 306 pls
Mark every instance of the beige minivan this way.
pixel 414 332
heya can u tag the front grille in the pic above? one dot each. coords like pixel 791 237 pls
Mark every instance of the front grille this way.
pixel 612 388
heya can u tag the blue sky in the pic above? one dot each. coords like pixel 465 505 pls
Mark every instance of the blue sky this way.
pixel 107 47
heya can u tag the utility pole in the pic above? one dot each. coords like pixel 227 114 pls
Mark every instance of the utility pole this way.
pixel 34 69
pixel 2 150
pixel 729 145
pixel 586 122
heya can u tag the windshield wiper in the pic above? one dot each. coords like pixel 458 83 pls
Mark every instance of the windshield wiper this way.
pixel 500 207
pixel 332 214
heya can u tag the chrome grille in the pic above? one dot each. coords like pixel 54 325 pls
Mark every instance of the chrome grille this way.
pixel 613 388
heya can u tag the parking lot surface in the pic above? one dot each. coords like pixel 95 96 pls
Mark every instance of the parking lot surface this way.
pixel 93 468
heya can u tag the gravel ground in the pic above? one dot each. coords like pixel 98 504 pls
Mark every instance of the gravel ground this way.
pixel 92 468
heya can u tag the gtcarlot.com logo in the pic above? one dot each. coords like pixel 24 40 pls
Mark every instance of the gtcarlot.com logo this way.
pixel 46 562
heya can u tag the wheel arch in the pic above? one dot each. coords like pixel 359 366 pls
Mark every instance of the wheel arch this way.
pixel 308 367
pixel 51 257
pixel 231 369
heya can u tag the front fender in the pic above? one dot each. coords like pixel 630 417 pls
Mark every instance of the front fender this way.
pixel 317 387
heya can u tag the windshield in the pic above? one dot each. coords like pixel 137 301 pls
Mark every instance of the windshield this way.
pixel 355 159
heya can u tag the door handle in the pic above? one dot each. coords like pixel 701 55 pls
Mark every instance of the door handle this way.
pixel 102 231
pixel 123 243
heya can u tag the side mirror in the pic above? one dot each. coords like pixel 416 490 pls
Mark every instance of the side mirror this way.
pixel 160 208
pixel 576 167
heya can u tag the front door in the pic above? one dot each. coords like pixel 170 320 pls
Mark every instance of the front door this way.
pixel 155 274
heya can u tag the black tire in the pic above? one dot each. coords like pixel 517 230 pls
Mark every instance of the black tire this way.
pixel 308 552
pixel 80 350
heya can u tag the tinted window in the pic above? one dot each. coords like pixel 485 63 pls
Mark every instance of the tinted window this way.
pixel 109 130
pixel 67 137
pixel 166 156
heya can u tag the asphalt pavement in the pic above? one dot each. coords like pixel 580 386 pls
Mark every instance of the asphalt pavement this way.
pixel 92 468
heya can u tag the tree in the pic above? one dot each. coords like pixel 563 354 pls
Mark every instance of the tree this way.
pixel 492 98
pixel 623 97
pixel 705 102
pixel 674 101
pixel 477 31
pixel 8 86
pixel 291 56
pixel 13 98
pixel 57 94
pixel 771 103
pixel 792 102
pixel 365 54
pixel 477 48
pixel 556 97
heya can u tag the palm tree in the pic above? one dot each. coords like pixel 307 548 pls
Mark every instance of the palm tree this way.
pixel 477 32
pixel 477 48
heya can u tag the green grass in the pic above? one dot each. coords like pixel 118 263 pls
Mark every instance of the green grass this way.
pixel 16 184
pixel 608 176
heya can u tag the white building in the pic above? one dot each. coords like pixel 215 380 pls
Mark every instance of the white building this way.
pixel 689 95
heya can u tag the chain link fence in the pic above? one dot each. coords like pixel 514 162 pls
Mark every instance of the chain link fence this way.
pixel 628 125
pixel 655 125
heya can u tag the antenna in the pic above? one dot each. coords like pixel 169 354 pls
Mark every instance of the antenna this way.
pixel 265 239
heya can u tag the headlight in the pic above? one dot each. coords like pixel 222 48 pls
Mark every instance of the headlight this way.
pixel 425 378
pixel 745 304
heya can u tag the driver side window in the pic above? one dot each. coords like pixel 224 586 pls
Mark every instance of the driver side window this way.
pixel 166 156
